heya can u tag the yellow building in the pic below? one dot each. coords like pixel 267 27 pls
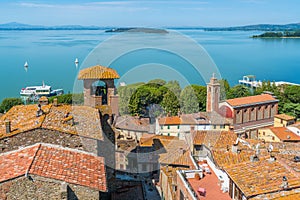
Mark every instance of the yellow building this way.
pixel 277 134
pixel 283 120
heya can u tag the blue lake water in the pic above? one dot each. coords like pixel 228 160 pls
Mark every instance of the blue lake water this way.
pixel 51 55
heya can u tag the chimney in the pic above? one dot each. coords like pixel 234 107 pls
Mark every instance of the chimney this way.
pixel 254 158
pixel 285 183
pixel 8 126
pixel 272 158
pixel 64 190
pixel 55 102
pixel 178 112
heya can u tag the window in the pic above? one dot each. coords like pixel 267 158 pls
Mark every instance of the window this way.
pixel 161 127
pixel 178 134
pixel 264 133
pixel 215 126
pixel 168 127
pixel 273 138
pixel 178 127
pixel 168 134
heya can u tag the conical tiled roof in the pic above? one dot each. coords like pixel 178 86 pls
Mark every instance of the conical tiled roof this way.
pixel 98 72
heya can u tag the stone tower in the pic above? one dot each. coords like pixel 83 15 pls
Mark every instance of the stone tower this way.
pixel 213 95
pixel 102 96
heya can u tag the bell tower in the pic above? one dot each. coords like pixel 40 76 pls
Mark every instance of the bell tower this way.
pixel 213 95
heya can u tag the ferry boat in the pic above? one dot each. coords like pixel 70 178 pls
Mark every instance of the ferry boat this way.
pixel 33 93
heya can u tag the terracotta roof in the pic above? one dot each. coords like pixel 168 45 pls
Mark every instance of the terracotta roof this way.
pixel 262 177
pixel 54 162
pixel 214 139
pixel 133 123
pixel 284 117
pixel 263 98
pixel 98 72
pixel 16 163
pixel 23 118
pixel 174 120
pixel 171 150
pixel 284 134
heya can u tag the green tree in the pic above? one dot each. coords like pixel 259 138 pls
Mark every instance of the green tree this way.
pixel 174 87
pixel 224 89
pixel 8 103
pixel 292 109
pixel 238 91
pixel 170 103
pixel 200 92
pixel 158 81
pixel 292 93
pixel 144 96
pixel 78 99
pixel 189 101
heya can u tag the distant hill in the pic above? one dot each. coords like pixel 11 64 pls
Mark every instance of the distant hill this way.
pixel 141 30
pixel 258 27
pixel 19 26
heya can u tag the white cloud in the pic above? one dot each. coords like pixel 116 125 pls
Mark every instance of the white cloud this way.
pixel 101 6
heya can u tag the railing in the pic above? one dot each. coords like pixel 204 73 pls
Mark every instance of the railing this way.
pixel 188 186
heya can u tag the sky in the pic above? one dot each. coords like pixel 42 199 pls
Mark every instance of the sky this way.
pixel 150 13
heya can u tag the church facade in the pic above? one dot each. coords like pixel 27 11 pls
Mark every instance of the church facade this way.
pixel 247 114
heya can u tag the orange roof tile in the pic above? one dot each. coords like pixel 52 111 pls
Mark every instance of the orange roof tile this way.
pixel 70 166
pixel 261 177
pixel 98 72
pixel 263 98
pixel 214 139
pixel 54 162
pixel 285 134
pixel 285 117
pixel 174 120
pixel 16 163
pixel 23 118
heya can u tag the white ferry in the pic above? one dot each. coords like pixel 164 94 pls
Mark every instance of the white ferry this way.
pixel 33 93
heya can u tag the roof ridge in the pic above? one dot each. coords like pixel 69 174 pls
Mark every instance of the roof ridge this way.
pixel 69 149
pixel 34 156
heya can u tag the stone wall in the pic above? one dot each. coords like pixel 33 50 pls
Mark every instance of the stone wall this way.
pixel 48 136
pixel 37 187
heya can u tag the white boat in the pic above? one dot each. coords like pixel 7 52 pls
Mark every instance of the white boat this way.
pixel 76 62
pixel 26 66
pixel 33 93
